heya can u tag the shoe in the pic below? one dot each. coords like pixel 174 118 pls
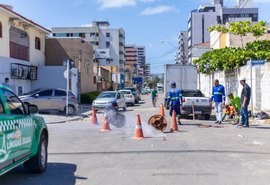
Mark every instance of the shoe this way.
pixel 220 122
pixel 179 122
pixel 216 121
pixel 246 126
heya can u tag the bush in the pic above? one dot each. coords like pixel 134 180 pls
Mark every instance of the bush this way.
pixel 89 97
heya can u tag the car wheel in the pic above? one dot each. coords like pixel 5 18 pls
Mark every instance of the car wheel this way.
pixel 71 110
pixel 38 163
pixel 207 116
pixel 136 101
pixel 125 107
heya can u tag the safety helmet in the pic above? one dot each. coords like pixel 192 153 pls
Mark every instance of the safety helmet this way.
pixel 242 78
pixel 173 85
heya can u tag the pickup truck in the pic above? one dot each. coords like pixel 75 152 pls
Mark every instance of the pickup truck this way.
pixel 23 134
pixel 202 105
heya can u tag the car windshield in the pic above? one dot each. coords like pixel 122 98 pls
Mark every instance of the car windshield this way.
pixel 130 88
pixel 125 92
pixel 32 92
pixel 107 95
pixel 190 93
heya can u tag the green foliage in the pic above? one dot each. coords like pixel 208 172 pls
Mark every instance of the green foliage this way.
pixel 258 29
pixel 230 58
pixel 89 97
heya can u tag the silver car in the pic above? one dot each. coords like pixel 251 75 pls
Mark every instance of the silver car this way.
pixel 107 97
pixel 51 99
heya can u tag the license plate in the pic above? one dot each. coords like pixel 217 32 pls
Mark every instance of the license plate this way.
pixel 197 112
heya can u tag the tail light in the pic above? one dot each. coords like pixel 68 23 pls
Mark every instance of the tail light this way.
pixel 183 100
pixel 73 98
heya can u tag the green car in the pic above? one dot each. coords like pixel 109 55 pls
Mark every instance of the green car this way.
pixel 23 135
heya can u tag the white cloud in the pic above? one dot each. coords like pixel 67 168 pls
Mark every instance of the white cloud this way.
pixel 147 1
pixel 158 10
pixel 261 1
pixel 86 25
pixel 116 3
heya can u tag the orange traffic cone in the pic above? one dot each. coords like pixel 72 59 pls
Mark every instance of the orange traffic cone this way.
pixel 138 134
pixel 105 125
pixel 161 111
pixel 94 117
pixel 174 126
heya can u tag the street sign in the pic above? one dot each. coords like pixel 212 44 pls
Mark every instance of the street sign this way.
pixel 256 62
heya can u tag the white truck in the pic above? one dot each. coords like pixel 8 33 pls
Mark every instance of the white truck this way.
pixel 185 76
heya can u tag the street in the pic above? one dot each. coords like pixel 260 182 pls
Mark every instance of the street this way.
pixel 201 153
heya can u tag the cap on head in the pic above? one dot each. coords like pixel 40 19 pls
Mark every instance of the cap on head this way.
pixel 242 78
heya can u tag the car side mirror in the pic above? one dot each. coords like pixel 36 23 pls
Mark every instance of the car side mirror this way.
pixel 32 109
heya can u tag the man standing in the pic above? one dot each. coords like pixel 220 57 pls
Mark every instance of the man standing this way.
pixel 6 82
pixel 245 98
pixel 218 96
pixel 174 98
pixel 235 102
pixel 154 96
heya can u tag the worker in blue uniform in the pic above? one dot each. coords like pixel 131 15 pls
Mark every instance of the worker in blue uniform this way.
pixel 173 101
pixel 218 96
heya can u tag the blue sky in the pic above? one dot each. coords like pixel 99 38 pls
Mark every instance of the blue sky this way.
pixel 146 22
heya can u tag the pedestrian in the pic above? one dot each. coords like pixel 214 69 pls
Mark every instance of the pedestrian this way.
pixel 235 102
pixel 245 99
pixel 218 96
pixel 6 82
pixel 154 96
pixel 173 101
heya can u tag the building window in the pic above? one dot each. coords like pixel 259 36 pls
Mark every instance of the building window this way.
pixel 82 35
pixel 107 34
pixel 19 44
pixel 37 43
pixel 107 44
pixel 1 32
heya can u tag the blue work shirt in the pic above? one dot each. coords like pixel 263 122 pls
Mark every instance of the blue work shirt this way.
pixel 174 96
pixel 218 93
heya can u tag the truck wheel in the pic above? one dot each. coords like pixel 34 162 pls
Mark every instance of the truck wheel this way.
pixel 207 116
pixel 125 107
pixel 38 163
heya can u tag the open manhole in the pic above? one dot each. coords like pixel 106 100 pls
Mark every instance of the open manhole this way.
pixel 158 121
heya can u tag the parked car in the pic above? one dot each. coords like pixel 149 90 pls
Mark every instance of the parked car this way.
pixel 51 99
pixel 130 99
pixel 23 135
pixel 135 93
pixel 144 92
pixel 202 105
pixel 107 97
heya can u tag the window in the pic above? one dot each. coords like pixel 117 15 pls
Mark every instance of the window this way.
pixel 1 32
pixel 45 93
pixel 59 93
pixel 118 96
pixel 107 44
pixel 82 35
pixel 1 108
pixel 107 34
pixel 37 43
pixel 14 104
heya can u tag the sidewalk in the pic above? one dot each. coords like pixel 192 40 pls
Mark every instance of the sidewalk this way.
pixel 53 118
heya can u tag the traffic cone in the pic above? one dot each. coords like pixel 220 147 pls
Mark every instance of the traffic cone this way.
pixel 174 126
pixel 138 134
pixel 105 125
pixel 94 117
pixel 161 111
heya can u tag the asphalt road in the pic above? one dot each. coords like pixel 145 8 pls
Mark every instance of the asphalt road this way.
pixel 80 154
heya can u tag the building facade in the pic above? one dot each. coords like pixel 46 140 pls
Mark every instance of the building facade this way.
pixel 182 56
pixel 108 45
pixel 22 44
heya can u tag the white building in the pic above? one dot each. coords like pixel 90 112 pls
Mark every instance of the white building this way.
pixel 22 44
pixel 108 44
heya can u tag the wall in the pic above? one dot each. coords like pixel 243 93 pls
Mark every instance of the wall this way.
pixel 5 64
pixel 260 84
pixel 55 72
pixel 4 41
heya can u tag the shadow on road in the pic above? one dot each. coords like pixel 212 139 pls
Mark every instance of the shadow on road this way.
pixel 56 173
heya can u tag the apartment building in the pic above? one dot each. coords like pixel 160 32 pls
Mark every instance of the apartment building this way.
pixel 182 56
pixel 108 45
pixel 22 44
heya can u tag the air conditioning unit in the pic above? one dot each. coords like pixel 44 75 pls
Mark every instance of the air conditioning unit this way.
pixel 19 72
